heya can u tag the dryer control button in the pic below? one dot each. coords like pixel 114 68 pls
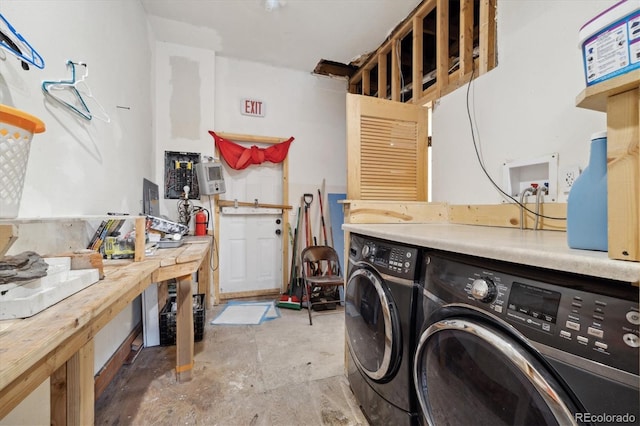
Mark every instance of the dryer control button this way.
pixel 595 332
pixel 631 340
pixel 572 325
pixel 483 289
pixel 601 345
pixel 633 317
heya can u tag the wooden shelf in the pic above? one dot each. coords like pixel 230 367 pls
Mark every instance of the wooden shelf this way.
pixel 595 97
pixel 62 238
pixel 619 98
pixel 81 218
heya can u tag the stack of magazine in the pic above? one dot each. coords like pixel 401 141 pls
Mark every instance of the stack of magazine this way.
pixel 108 228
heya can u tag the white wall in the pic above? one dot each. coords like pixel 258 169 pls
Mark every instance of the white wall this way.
pixel 78 167
pixel 76 160
pixel 309 108
pixel 525 108
pixel 184 91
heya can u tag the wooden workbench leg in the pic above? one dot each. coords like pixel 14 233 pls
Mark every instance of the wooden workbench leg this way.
pixel 204 279
pixel 140 239
pixel 58 386
pixel 80 386
pixel 184 329
pixel 623 175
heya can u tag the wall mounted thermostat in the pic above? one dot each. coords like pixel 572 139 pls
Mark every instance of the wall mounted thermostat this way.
pixel 210 179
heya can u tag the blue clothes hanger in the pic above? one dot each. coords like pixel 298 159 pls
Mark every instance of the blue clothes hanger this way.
pixel 14 43
pixel 81 107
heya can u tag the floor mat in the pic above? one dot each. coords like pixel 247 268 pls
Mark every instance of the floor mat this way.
pixel 247 313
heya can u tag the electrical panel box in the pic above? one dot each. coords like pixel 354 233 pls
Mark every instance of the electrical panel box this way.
pixel 180 171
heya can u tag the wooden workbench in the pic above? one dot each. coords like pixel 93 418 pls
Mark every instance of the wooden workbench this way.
pixel 179 264
pixel 58 342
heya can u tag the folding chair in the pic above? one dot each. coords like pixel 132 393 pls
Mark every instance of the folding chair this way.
pixel 322 275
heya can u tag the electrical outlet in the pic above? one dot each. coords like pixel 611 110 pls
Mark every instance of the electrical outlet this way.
pixel 567 177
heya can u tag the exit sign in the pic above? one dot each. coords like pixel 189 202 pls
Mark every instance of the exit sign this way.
pixel 252 107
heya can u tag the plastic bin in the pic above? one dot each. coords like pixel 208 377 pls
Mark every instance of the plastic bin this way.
pixel 16 130
pixel 168 320
pixel 587 203
pixel 610 42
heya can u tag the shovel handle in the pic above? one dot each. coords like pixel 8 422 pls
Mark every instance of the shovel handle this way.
pixel 308 199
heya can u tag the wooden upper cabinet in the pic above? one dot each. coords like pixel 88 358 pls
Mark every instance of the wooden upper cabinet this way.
pixel 441 46
pixel 386 150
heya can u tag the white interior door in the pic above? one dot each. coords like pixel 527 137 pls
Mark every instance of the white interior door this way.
pixel 251 238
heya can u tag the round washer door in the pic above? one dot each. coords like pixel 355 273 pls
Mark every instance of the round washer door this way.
pixel 468 372
pixel 373 330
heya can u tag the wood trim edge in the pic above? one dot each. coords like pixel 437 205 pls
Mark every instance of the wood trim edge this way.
pixel 500 215
pixel 248 294
pixel 106 374
pixel 8 235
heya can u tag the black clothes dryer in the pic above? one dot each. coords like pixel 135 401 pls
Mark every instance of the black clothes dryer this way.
pixel 505 344
pixel 380 324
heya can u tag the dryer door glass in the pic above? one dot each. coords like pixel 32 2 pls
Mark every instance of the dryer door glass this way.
pixel 372 325
pixel 469 373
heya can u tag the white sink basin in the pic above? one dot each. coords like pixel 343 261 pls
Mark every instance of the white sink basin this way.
pixel 24 299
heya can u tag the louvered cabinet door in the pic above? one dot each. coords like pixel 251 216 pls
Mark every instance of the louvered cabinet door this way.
pixel 386 150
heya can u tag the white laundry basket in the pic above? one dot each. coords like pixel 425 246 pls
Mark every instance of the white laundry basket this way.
pixel 16 130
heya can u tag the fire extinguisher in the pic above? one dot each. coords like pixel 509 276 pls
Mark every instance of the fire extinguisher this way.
pixel 202 220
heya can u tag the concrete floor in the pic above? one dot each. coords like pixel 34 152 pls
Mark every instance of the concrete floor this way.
pixel 281 372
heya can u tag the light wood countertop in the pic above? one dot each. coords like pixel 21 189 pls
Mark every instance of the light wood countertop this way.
pixel 545 249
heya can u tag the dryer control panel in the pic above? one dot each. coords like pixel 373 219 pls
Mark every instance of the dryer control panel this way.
pixel 585 316
pixel 388 258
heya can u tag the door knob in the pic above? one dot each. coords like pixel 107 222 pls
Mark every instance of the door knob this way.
pixel 278 221
pixel 278 232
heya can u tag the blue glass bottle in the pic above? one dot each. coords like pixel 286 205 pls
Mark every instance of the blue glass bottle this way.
pixel 587 202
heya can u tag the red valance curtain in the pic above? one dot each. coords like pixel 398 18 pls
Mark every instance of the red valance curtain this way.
pixel 239 157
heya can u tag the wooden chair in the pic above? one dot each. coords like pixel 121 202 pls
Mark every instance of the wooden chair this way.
pixel 321 273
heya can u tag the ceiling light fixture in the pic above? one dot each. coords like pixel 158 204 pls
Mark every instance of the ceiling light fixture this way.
pixel 271 5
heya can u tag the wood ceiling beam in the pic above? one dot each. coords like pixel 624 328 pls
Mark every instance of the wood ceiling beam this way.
pixel 395 70
pixel 437 36
pixel 487 35
pixel 466 36
pixel 417 67
pixel 382 74
pixel 366 82
pixel 442 48
pixel 422 10
pixel 332 68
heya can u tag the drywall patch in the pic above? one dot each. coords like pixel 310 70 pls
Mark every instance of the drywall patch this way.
pixel 184 103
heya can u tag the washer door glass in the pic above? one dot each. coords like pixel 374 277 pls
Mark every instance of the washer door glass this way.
pixel 372 325
pixel 469 373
